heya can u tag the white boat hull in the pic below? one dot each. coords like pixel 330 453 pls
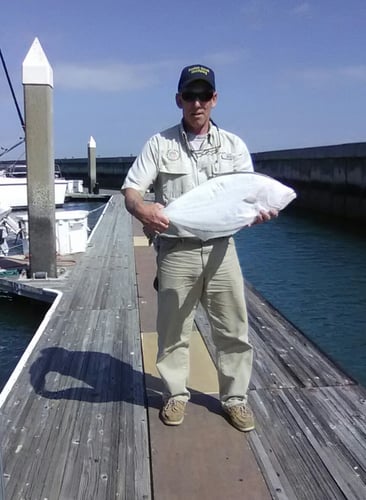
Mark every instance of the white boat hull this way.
pixel 13 192
pixel 4 211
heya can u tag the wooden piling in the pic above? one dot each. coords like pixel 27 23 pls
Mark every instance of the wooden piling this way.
pixel 92 170
pixel 38 105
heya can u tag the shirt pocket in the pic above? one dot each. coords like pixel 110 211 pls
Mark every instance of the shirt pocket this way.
pixel 175 178
pixel 227 162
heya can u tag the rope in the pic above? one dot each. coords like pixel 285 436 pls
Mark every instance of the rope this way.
pixel 15 246
pixel 98 208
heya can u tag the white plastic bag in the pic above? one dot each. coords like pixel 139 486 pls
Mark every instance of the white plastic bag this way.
pixel 225 204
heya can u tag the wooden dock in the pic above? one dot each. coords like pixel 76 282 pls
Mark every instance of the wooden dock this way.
pixel 80 412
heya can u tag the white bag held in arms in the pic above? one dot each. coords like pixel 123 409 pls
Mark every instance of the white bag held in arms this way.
pixel 225 204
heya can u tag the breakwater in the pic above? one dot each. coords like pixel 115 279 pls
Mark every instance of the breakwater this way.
pixel 328 179
pixel 110 171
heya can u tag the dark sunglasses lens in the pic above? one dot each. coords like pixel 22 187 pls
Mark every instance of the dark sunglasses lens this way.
pixel 200 96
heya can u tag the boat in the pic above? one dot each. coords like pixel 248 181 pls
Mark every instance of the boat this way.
pixel 13 191
pixel 7 225
pixel 4 212
pixel 20 170
pixel 71 228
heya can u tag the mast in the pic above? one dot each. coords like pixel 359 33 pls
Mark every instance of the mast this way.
pixel 12 91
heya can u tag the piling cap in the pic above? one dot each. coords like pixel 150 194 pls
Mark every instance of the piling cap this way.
pixel 36 68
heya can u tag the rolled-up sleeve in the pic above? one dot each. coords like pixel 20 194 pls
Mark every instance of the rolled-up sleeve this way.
pixel 144 169
pixel 243 159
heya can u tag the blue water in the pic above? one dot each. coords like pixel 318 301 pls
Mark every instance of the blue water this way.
pixel 313 270
pixel 19 319
pixel 308 267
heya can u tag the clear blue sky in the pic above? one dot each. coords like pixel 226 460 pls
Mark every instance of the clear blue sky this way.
pixel 289 73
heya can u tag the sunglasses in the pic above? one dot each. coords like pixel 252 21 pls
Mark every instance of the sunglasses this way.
pixel 203 96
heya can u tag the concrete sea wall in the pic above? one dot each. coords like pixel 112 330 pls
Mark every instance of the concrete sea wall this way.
pixel 110 171
pixel 328 179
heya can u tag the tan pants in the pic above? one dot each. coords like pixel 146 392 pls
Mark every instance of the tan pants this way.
pixel 190 271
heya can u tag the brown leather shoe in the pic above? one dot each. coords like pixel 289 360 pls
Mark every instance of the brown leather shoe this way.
pixel 241 417
pixel 172 413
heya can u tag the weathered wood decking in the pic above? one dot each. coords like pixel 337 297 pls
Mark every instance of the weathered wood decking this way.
pixel 75 415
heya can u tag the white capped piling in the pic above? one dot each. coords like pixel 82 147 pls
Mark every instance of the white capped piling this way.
pixel 38 108
pixel 92 168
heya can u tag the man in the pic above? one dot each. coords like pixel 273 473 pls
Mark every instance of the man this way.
pixel 190 270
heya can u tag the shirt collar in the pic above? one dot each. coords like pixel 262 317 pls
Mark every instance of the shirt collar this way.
pixel 212 134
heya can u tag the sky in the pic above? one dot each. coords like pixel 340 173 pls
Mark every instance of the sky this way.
pixel 289 73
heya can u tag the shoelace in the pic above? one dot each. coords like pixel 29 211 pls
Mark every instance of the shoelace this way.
pixel 173 405
pixel 241 409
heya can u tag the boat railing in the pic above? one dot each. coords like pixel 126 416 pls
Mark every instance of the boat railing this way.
pixel 20 170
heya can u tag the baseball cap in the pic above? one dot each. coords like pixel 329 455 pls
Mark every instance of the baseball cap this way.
pixel 196 72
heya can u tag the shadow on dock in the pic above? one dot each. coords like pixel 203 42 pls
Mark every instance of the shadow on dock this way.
pixel 89 376
pixel 97 377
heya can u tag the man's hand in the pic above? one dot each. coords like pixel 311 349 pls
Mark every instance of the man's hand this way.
pixel 150 214
pixel 265 216
pixel 153 219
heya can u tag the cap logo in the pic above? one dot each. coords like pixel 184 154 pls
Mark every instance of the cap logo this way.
pixel 199 69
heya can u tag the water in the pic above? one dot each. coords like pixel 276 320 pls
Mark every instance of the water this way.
pixel 308 267
pixel 19 319
pixel 313 270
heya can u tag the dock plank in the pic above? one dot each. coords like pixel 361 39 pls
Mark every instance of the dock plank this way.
pixel 306 430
